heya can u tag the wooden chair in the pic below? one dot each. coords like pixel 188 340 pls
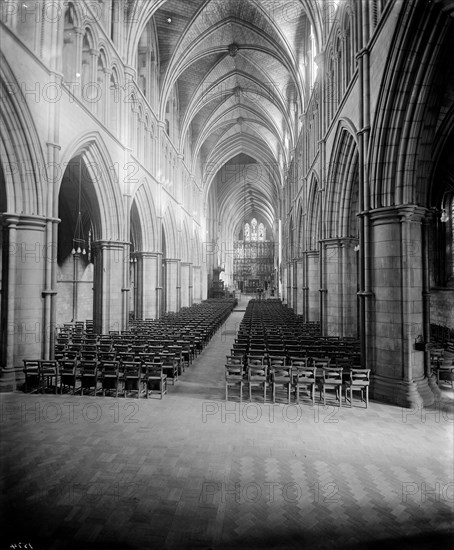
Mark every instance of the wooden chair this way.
pixel 304 377
pixel 132 377
pixel 48 373
pixel 280 375
pixel 68 372
pixel 170 366
pixel 88 376
pixel 331 380
pixel 445 374
pixel 32 374
pixel 110 376
pixel 234 374
pixel 155 380
pixel 359 381
pixel 257 375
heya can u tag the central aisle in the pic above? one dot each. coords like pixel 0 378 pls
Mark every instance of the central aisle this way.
pixel 205 378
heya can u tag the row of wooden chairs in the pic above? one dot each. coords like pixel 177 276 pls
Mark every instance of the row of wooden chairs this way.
pixel 103 376
pixel 298 376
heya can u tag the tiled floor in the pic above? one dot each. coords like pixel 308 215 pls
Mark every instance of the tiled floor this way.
pixel 191 471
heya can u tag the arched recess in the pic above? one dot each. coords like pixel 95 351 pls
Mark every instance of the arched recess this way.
pixel 340 269
pixel 20 150
pixel 102 227
pixel 186 266
pixel 80 226
pixel 102 172
pixel 171 262
pixel 313 251
pixel 71 43
pixel 135 263
pixel 299 257
pixel 145 259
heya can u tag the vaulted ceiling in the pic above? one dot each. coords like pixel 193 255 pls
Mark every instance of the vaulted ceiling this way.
pixel 238 68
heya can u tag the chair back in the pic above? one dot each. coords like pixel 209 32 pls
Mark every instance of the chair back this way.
pixel 360 375
pixel 110 368
pixel 304 373
pixel 332 374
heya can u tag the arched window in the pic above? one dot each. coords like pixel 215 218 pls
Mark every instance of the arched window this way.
pixel 247 232
pixel 261 232
pixel 87 59
pixel 69 46
pixel 253 229
pixel 348 50
pixel 114 99
pixel 101 87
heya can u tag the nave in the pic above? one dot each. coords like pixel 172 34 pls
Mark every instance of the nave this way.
pixel 194 471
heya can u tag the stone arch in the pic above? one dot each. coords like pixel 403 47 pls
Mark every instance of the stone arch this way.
pixel 342 174
pixel 107 191
pixel 313 209
pixel 171 232
pixel 146 211
pixel 22 158
pixel 400 146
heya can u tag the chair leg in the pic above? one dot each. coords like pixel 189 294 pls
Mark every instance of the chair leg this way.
pixel 340 396
pixel 367 396
pixel 226 391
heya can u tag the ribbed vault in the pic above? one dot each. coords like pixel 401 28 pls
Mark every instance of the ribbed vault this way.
pixel 237 71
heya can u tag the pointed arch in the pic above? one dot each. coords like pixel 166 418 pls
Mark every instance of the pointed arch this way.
pixel 313 209
pixel 21 154
pixel 185 244
pixel 171 232
pixel 143 198
pixel 99 165
pixel 342 174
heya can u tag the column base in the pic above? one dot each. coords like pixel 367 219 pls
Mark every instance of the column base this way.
pixel 7 380
pixel 396 392
pixel 432 383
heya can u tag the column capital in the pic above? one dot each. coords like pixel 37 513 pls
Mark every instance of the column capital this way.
pixel 110 244
pixel 28 221
pixel 150 255
pixel 171 260
pixel 398 213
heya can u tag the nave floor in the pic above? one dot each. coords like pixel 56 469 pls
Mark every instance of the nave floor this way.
pixel 191 471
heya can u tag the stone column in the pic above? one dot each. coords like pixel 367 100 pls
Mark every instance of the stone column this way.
pixel 313 283
pixel 108 310
pixel 173 287
pixel 23 295
pixel 300 286
pixel 396 308
pixel 331 287
pixel 197 284
pixel 295 286
pixel 148 268
pixel 186 284
pixel 349 278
